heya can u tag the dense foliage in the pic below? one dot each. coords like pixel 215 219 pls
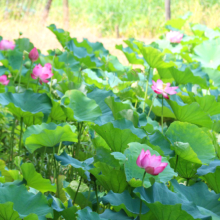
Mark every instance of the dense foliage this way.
pixel 69 147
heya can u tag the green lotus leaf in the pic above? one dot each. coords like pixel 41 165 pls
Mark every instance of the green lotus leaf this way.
pixel 27 104
pixel 134 174
pixel 62 36
pixel 24 44
pixel 80 107
pixel 9 175
pixel 191 113
pixel 99 96
pixel 199 142
pixel 184 75
pixel 131 55
pixel 48 135
pixel 109 214
pixel 210 206
pixel 124 201
pixel 88 214
pixel 82 167
pixel 185 151
pixel 213 75
pixel 211 174
pixel 185 168
pixel 109 177
pixel 208 53
pixel 119 134
pixel 25 203
pixel 81 54
pixel 154 57
pixel 35 180
pixel 168 205
pixel 8 213
pixel 208 104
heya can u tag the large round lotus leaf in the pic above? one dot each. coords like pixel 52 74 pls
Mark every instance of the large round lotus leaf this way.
pixel 80 107
pixel 191 113
pixel 26 104
pixel 199 142
pixel 154 57
pixel 208 53
pixel 25 203
pixel 35 180
pixel 211 174
pixel 182 202
pixel 124 201
pixel 8 213
pixel 48 135
pixel 119 134
pixel 134 173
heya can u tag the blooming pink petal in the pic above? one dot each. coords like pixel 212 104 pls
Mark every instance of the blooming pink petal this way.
pixel 43 73
pixel 4 80
pixel 5 45
pixel 174 36
pixel 151 164
pixel 150 170
pixel 33 55
pixel 163 89
pixel 155 161
pixel 165 95
pixel 160 169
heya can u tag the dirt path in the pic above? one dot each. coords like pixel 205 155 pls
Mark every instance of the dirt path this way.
pixel 44 39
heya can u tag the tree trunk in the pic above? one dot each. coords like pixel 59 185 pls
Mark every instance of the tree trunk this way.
pixel 46 10
pixel 167 9
pixel 66 14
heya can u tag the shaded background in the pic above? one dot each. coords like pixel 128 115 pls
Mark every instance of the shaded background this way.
pixel 107 21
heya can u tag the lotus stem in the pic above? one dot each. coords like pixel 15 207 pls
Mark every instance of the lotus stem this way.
pixel 140 199
pixel 145 95
pixel 97 198
pixel 177 157
pixel 37 85
pixel 80 180
pixel 12 142
pixel 29 74
pixel 162 115
pixel 151 107
pixel 21 132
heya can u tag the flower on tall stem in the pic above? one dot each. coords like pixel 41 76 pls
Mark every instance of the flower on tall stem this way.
pixel 151 164
pixel 42 73
pixel 33 55
pixel 164 89
pixel 5 45
pixel 3 80
pixel 174 36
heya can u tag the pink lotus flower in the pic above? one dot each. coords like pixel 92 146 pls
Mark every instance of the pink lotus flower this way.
pixel 5 45
pixel 33 55
pixel 42 73
pixel 151 164
pixel 4 80
pixel 160 88
pixel 174 36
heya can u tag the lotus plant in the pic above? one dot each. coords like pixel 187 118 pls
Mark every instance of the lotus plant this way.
pixel 4 80
pixel 6 45
pixel 33 55
pixel 151 164
pixel 42 73
pixel 164 89
pixel 174 36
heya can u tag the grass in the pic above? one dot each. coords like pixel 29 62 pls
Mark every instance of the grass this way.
pixel 135 18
